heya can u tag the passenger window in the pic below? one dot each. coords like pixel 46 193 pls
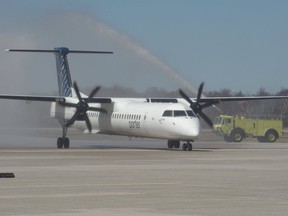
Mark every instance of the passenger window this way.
pixel 167 113
pixel 179 113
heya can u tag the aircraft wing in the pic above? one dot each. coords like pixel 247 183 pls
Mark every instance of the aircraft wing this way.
pixel 32 98
pixel 250 98
pixel 109 100
pixel 49 98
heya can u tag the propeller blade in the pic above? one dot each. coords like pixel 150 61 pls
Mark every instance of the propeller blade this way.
pixel 200 89
pixel 182 93
pixel 88 123
pixel 72 120
pixel 77 91
pixel 93 93
pixel 206 119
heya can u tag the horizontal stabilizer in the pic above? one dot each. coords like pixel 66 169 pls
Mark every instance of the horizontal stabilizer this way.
pixel 59 51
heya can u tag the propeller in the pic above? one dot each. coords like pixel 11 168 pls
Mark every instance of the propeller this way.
pixel 197 107
pixel 82 107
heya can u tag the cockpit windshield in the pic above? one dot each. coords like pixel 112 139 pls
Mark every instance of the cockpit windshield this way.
pixel 168 113
pixel 178 113
pixel 191 113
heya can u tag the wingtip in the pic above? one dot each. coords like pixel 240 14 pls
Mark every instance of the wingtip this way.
pixel 7 50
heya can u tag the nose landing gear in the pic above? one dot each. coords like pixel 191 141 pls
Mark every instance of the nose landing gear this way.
pixel 176 144
pixel 187 146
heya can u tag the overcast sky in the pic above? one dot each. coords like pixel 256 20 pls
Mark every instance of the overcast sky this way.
pixel 240 45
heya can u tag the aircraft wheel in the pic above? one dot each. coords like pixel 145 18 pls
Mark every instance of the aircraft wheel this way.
pixel 184 147
pixel 59 143
pixel 66 142
pixel 176 144
pixel 189 147
pixel 173 144
pixel 170 144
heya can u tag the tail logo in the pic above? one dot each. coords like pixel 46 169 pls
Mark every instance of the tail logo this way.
pixel 63 72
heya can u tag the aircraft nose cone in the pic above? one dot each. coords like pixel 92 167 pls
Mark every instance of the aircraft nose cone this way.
pixel 195 128
pixel 195 132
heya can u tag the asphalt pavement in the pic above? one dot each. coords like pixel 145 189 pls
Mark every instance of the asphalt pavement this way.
pixel 107 175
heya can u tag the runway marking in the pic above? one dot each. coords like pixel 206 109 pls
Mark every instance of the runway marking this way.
pixel 67 195
pixel 91 185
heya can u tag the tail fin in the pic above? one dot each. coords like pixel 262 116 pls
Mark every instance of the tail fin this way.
pixel 63 72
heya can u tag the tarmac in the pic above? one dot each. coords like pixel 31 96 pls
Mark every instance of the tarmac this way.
pixel 103 175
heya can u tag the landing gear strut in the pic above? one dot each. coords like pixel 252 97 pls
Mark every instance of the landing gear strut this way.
pixel 63 141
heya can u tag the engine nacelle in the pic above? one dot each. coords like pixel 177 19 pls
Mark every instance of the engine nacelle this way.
pixel 61 112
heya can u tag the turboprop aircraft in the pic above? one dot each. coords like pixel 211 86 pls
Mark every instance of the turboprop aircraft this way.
pixel 172 119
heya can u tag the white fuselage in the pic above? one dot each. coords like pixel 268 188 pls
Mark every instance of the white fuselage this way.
pixel 138 118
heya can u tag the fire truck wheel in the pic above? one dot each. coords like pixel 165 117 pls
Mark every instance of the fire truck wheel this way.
pixel 237 135
pixel 271 135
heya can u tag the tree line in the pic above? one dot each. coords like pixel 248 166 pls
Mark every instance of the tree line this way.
pixel 36 114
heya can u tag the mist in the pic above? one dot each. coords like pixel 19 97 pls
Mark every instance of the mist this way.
pixel 131 66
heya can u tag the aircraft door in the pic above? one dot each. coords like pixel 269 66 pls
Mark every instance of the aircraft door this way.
pixel 144 122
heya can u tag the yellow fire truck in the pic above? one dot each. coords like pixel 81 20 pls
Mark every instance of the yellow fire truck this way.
pixel 236 128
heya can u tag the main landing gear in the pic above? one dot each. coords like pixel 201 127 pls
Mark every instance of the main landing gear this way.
pixel 63 141
pixel 176 144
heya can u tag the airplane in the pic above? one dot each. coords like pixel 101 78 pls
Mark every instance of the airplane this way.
pixel 173 119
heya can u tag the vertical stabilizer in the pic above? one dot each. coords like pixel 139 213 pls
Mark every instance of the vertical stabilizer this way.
pixel 63 72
